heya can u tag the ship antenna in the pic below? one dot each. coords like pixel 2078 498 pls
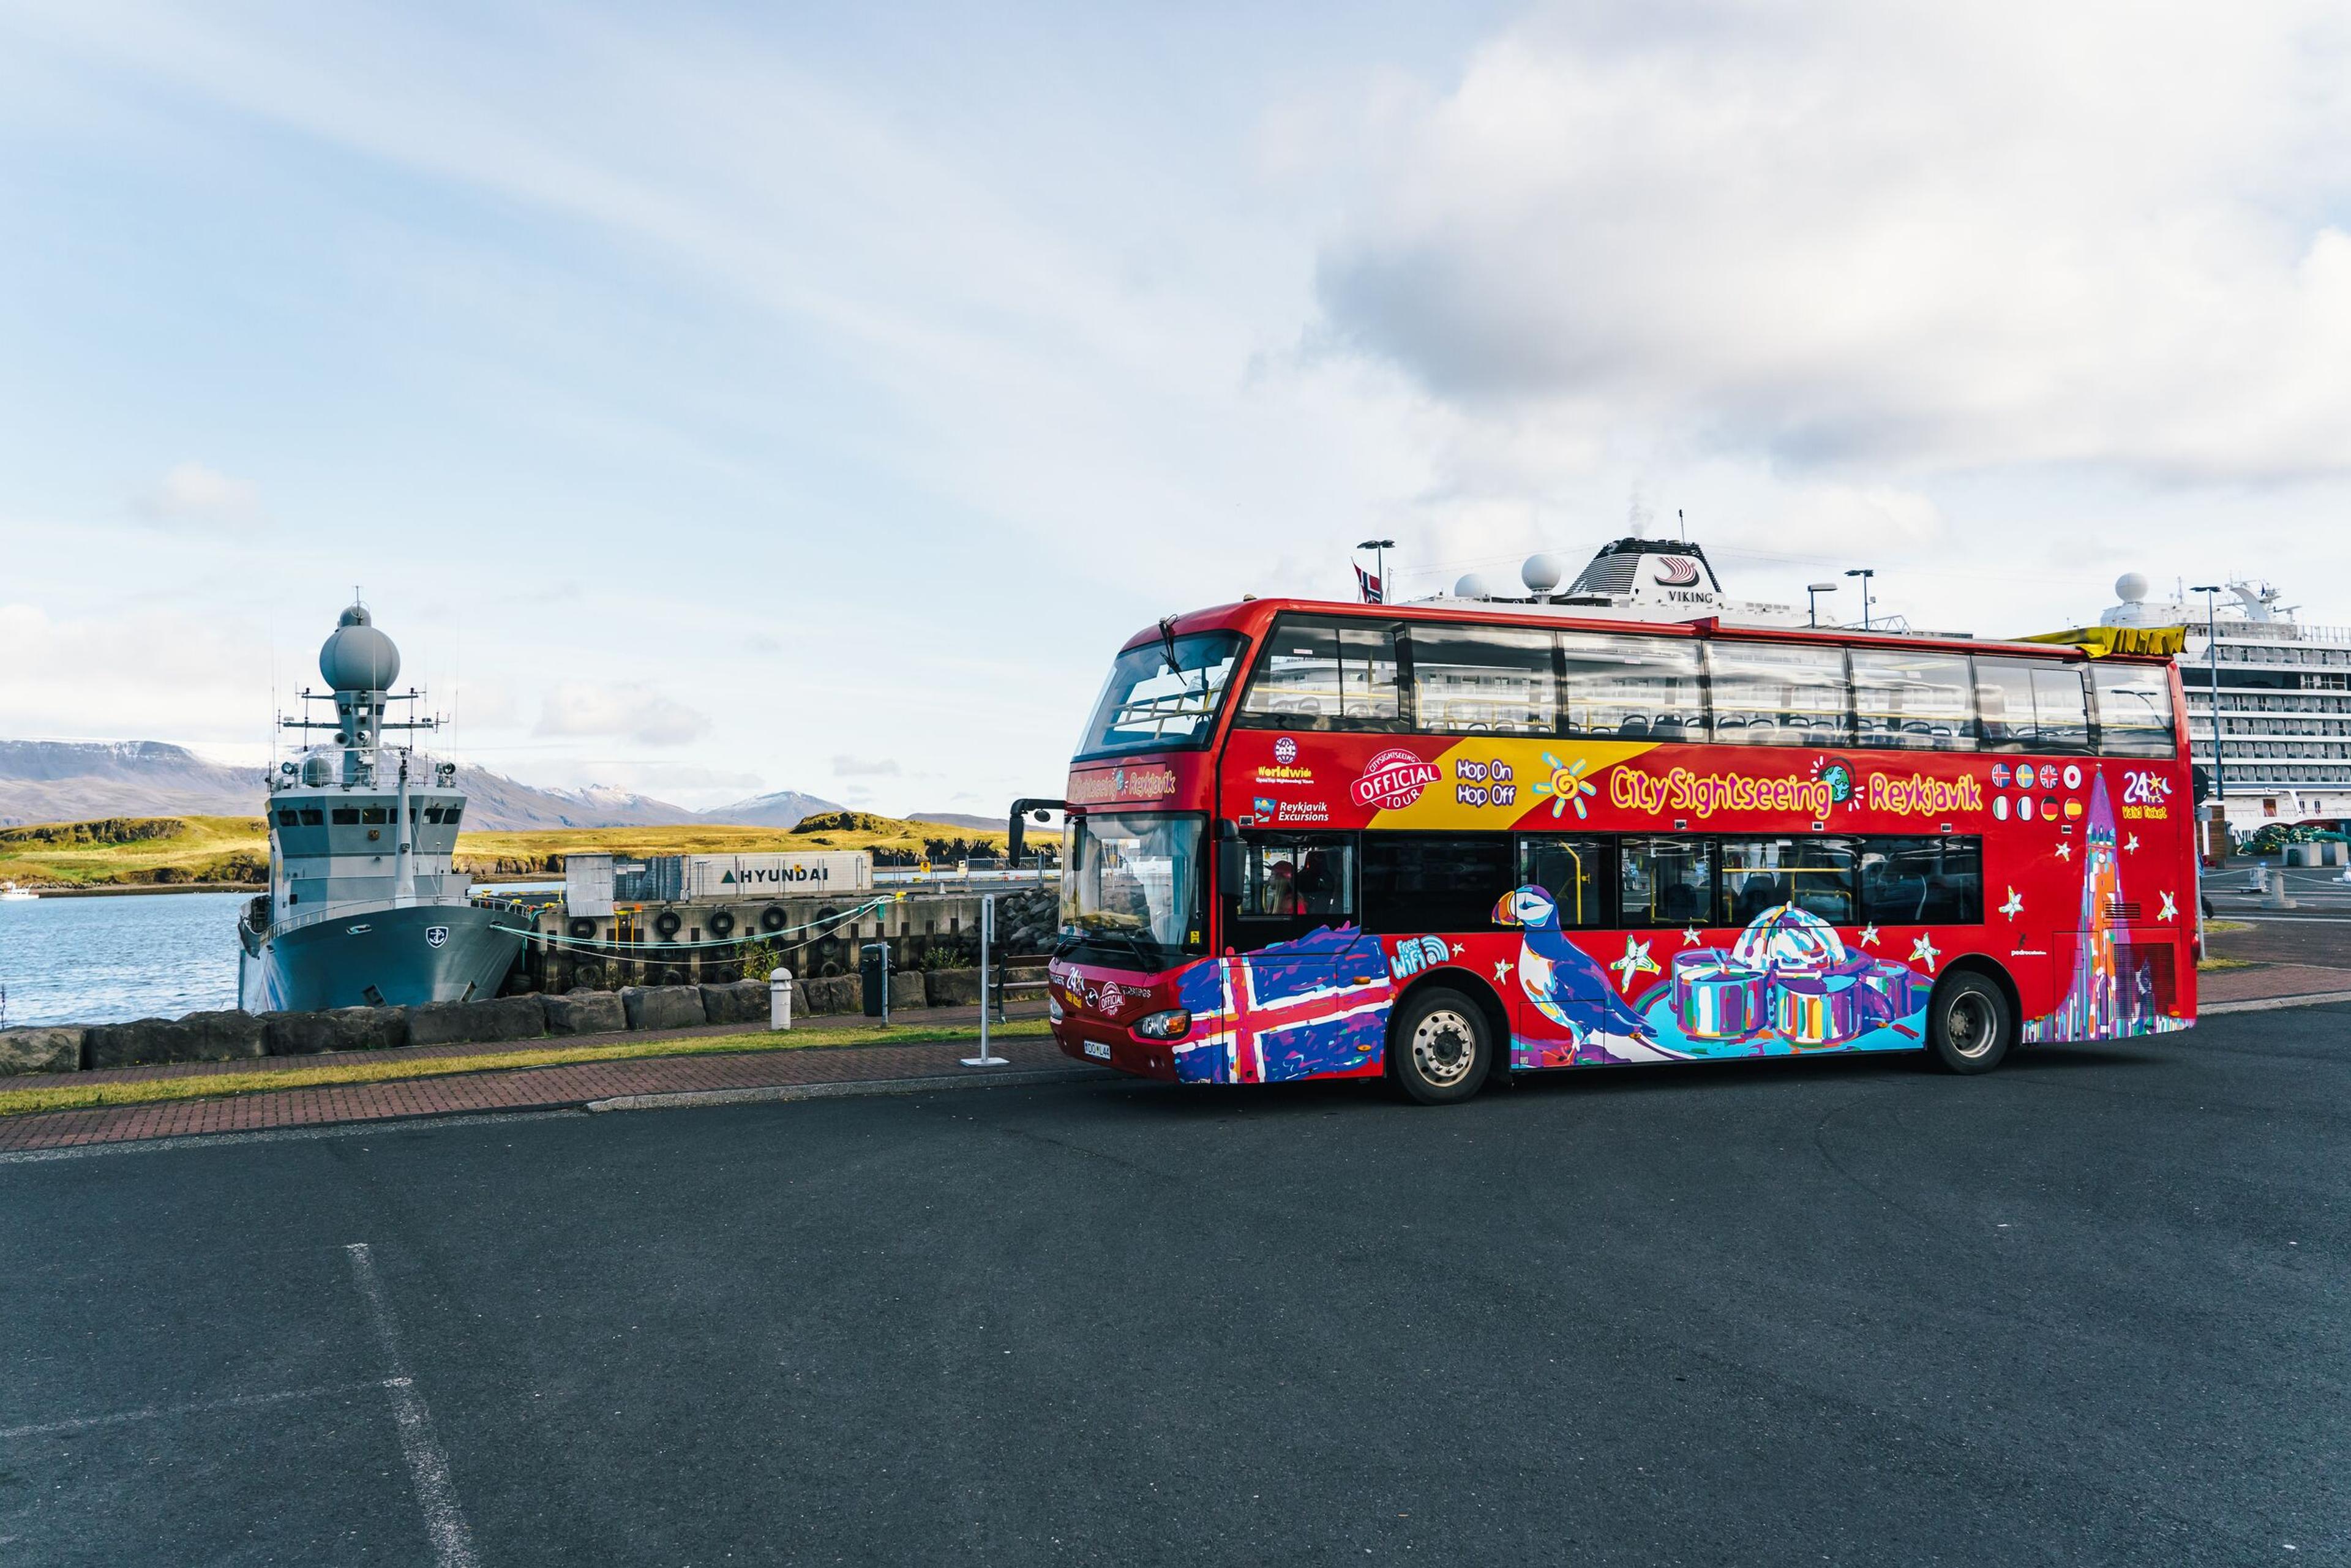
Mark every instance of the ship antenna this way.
pixel 1681 519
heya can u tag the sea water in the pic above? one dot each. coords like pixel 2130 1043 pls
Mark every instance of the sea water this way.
pixel 104 960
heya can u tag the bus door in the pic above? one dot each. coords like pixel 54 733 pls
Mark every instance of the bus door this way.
pixel 1293 886
pixel 1297 956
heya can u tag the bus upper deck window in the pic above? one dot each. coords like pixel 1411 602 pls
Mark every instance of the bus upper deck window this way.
pixel 2133 710
pixel 1779 694
pixel 1918 699
pixel 2032 704
pixel 1631 688
pixel 1319 673
pixel 2060 707
pixel 1472 679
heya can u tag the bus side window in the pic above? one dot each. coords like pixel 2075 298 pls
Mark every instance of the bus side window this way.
pixel 1631 688
pixel 1922 881
pixel 1665 881
pixel 1292 882
pixel 1426 881
pixel 1324 675
pixel 2133 710
pixel 1816 875
pixel 2004 699
pixel 1917 699
pixel 2061 706
pixel 1574 871
pixel 1471 679
pixel 1779 694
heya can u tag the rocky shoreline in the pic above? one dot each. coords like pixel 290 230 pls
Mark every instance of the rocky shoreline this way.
pixel 233 1035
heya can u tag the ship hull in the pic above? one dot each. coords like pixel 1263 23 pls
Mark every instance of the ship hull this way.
pixel 379 956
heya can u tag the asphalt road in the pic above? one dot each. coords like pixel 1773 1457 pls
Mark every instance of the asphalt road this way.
pixel 2091 1308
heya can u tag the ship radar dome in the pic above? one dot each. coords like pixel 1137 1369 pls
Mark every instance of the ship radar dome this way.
pixel 1473 586
pixel 2131 587
pixel 356 657
pixel 1543 573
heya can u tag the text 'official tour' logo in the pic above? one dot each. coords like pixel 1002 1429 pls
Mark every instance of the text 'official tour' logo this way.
pixel 1393 779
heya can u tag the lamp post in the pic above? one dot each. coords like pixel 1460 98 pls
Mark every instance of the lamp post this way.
pixel 1865 573
pixel 1380 562
pixel 2212 674
pixel 1812 591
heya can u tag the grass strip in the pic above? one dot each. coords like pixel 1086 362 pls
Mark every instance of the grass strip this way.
pixel 2207 966
pixel 216 1085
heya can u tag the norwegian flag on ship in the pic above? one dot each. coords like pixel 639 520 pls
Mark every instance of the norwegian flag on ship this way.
pixel 1370 586
pixel 1316 1005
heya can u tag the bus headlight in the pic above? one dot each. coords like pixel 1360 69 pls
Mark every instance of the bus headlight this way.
pixel 1052 1008
pixel 1172 1024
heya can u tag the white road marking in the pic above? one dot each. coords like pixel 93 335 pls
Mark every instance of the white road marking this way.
pixel 444 1522
pixel 196 1408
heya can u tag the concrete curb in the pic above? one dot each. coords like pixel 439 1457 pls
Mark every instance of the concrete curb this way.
pixel 977 1078
pixel 2266 1004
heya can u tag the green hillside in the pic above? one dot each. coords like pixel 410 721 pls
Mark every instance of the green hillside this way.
pixel 151 850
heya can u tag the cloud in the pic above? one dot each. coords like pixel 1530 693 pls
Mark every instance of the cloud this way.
pixel 853 766
pixel 133 672
pixel 192 493
pixel 633 712
pixel 1877 236
pixel 484 703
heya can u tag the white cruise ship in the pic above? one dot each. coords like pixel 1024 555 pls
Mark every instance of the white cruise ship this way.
pixel 2285 698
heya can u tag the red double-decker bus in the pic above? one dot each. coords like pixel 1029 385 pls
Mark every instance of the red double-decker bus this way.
pixel 1437 842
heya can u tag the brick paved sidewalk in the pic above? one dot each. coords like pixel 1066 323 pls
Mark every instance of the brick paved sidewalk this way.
pixel 802 1028
pixel 2224 988
pixel 537 1088
pixel 524 1089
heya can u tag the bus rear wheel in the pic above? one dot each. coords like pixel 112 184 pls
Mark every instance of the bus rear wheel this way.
pixel 1440 1049
pixel 1969 1024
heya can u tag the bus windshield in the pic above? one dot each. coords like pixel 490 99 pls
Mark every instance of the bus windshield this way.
pixel 1162 696
pixel 1130 887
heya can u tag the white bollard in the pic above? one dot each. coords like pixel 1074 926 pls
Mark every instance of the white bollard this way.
pixel 780 998
pixel 987 1058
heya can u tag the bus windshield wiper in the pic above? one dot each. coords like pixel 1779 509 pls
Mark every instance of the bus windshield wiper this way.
pixel 1146 956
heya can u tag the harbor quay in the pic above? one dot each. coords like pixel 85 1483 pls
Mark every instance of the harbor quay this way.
pixel 698 925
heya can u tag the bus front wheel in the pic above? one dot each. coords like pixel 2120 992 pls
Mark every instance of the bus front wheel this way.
pixel 1969 1024
pixel 1441 1048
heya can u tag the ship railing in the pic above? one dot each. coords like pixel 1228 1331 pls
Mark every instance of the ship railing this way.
pixel 319 916
pixel 950 876
pixel 2275 632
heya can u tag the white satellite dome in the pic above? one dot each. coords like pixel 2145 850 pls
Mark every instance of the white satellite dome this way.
pixel 1543 573
pixel 1473 586
pixel 357 657
pixel 2131 587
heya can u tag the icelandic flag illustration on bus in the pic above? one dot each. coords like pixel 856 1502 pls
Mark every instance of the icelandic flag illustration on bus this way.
pixel 1319 1004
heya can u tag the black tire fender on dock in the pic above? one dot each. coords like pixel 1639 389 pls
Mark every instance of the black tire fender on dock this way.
pixel 582 928
pixel 720 923
pixel 666 923
pixel 773 918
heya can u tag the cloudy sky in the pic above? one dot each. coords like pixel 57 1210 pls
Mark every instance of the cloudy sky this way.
pixel 712 400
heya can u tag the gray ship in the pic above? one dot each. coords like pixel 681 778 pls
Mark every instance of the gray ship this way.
pixel 363 909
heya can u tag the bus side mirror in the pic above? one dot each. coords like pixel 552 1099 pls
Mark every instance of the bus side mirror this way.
pixel 1016 837
pixel 2200 783
pixel 1231 864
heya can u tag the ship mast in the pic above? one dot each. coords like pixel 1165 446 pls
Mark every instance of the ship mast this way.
pixel 358 663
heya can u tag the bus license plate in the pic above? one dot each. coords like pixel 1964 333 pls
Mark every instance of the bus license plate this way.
pixel 1098 1048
